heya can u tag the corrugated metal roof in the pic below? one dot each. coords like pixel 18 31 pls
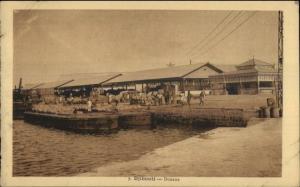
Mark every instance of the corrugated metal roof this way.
pixel 256 66
pixel 241 71
pixel 254 70
pixel 90 81
pixel 225 68
pixel 76 76
pixel 265 69
pixel 156 74
pixel 254 62
pixel 31 86
pixel 203 72
pixel 55 84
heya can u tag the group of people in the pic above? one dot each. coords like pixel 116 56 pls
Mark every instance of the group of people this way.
pixel 151 98
pixel 190 96
pixel 154 98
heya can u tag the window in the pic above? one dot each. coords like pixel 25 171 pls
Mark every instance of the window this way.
pixel 266 84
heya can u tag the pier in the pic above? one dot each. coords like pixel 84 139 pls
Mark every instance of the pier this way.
pixel 77 123
pixel 95 122
pixel 202 117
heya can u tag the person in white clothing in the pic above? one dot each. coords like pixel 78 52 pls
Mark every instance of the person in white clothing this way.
pixel 89 105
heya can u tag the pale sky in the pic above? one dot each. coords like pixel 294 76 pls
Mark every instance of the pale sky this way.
pixel 48 43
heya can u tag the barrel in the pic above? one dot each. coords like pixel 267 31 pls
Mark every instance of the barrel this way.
pixel 266 112
pixel 270 102
pixel 280 112
pixel 275 112
pixel 261 112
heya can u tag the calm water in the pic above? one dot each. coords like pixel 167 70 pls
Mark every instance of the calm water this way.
pixel 39 151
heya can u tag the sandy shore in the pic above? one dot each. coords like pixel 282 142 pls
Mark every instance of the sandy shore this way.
pixel 254 151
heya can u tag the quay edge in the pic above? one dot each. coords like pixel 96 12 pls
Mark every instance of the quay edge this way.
pixel 109 122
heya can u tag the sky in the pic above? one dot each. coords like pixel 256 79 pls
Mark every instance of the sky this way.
pixel 50 43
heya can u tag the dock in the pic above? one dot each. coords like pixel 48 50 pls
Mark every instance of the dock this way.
pixel 203 117
pixel 95 122
pixel 78 123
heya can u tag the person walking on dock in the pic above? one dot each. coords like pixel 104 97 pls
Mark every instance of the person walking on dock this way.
pixel 71 98
pixel 189 98
pixel 202 95
pixel 60 99
pixel 182 98
pixel 89 105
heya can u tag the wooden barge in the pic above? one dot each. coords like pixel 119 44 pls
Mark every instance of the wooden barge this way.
pixel 90 122
pixel 77 123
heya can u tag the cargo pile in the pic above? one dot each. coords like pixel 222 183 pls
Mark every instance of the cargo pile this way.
pixel 53 108
pixel 271 110
pixel 64 109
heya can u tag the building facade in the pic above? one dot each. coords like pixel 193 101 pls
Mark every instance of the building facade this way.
pixel 193 77
pixel 251 77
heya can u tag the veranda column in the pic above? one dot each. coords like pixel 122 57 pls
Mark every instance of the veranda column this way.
pixel 183 85
pixel 257 83
pixel 241 86
pixel 225 86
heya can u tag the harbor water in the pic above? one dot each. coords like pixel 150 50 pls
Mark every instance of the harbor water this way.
pixel 39 151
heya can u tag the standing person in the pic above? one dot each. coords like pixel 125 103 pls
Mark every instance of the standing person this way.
pixel 163 99
pixel 189 97
pixel 110 97
pixel 167 98
pixel 155 98
pixel 71 98
pixel 159 95
pixel 182 98
pixel 170 99
pixel 202 95
pixel 89 105
pixel 60 99
pixel 280 98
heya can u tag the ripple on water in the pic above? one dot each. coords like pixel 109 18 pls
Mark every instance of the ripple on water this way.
pixel 39 151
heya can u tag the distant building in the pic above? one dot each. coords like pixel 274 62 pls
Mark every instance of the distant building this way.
pixel 77 76
pixel 251 77
pixel 49 88
pixel 181 78
pixel 85 85
pixel 43 89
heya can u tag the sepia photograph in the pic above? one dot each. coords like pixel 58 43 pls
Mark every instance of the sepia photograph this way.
pixel 147 94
